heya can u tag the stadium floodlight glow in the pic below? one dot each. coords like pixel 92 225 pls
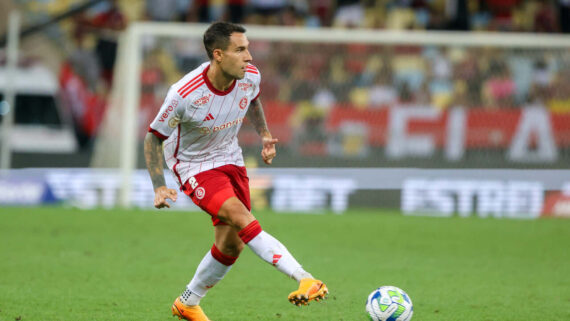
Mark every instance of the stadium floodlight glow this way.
pixel 118 146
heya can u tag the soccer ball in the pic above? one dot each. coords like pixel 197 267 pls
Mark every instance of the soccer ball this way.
pixel 389 303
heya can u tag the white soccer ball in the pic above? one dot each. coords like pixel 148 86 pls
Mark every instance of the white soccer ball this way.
pixel 389 303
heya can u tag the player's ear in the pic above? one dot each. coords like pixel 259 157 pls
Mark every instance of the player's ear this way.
pixel 218 54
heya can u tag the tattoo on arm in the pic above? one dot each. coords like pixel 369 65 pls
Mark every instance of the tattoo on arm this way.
pixel 154 159
pixel 257 118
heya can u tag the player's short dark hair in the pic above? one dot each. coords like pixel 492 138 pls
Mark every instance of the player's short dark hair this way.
pixel 218 36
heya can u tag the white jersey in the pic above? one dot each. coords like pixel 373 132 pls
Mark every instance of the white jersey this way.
pixel 200 123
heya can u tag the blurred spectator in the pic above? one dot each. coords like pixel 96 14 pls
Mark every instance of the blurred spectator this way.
pixel 545 17
pixel 107 21
pixel 405 95
pixel 383 93
pixel 323 11
pixel 541 81
pixel 324 99
pixel 468 73
pixel 457 14
pixel 559 101
pixel 235 10
pixel 84 61
pixel 502 13
pixel 199 10
pixel 499 89
pixel 349 14
pixel 564 15
pixel 161 10
pixel 267 12
pixel 308 122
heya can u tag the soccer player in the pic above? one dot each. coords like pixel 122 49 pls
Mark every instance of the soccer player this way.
pixel 196 132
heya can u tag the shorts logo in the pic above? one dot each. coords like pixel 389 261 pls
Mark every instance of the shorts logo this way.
pixel 200 192
pixel 243 103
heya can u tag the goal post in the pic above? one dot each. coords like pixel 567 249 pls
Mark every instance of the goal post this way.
pixel 120 130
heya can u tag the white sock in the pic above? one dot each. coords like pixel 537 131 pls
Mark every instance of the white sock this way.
pixel 272 251
pixel 210 271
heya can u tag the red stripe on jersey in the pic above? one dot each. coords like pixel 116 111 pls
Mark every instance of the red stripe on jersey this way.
pixel 157 134
pixel 252 71
pixel 198 85
pixel 252 67
pixel 177 160
pixel 188 84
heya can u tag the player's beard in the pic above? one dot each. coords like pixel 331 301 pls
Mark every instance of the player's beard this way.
pixel 239 74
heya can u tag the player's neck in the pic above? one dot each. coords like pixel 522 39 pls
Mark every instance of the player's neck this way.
pixel 220 80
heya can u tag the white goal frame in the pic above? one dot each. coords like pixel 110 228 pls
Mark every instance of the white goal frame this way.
pixel 127 88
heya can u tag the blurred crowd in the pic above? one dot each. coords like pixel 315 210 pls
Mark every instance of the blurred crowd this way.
pixel 317 77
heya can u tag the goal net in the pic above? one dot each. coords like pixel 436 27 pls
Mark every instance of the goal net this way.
pixel 365 98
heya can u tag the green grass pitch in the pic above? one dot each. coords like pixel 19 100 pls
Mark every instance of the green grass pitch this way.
pixel 69 264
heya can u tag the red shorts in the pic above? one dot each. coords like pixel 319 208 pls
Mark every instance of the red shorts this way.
pixel 210 189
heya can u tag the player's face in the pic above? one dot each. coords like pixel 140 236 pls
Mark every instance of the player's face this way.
pixel 236 57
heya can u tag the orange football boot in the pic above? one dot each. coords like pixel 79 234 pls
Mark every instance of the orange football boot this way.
pixel 309 290
pixel 188 312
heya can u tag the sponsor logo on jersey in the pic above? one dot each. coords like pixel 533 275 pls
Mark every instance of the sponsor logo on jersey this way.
pixel 202 101
pixel 244 86
pixel 207 130
pixel 227 125
pixel 168 110
pixel 200 192
pixel 173 122
pixel 243 103
pixel 209 117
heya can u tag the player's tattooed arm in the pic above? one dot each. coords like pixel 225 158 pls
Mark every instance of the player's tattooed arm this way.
pixel 257 118
pixel 154 159
pixel 154 162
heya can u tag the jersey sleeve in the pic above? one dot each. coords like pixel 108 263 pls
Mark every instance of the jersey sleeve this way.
pixel 170 114
pixel 256 77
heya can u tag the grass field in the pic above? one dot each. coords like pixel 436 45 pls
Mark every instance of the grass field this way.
pixel 67 264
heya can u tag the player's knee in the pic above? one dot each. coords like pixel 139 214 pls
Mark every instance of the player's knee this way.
pixel 234 213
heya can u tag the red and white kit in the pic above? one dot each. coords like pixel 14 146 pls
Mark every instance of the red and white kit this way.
pixel 200 123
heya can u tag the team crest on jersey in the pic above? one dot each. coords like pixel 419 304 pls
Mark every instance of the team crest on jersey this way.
pixel 204 130
pixel 244 86
pixel 202 101
pixel 243 103
pixel 173 122
pixel 200 192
